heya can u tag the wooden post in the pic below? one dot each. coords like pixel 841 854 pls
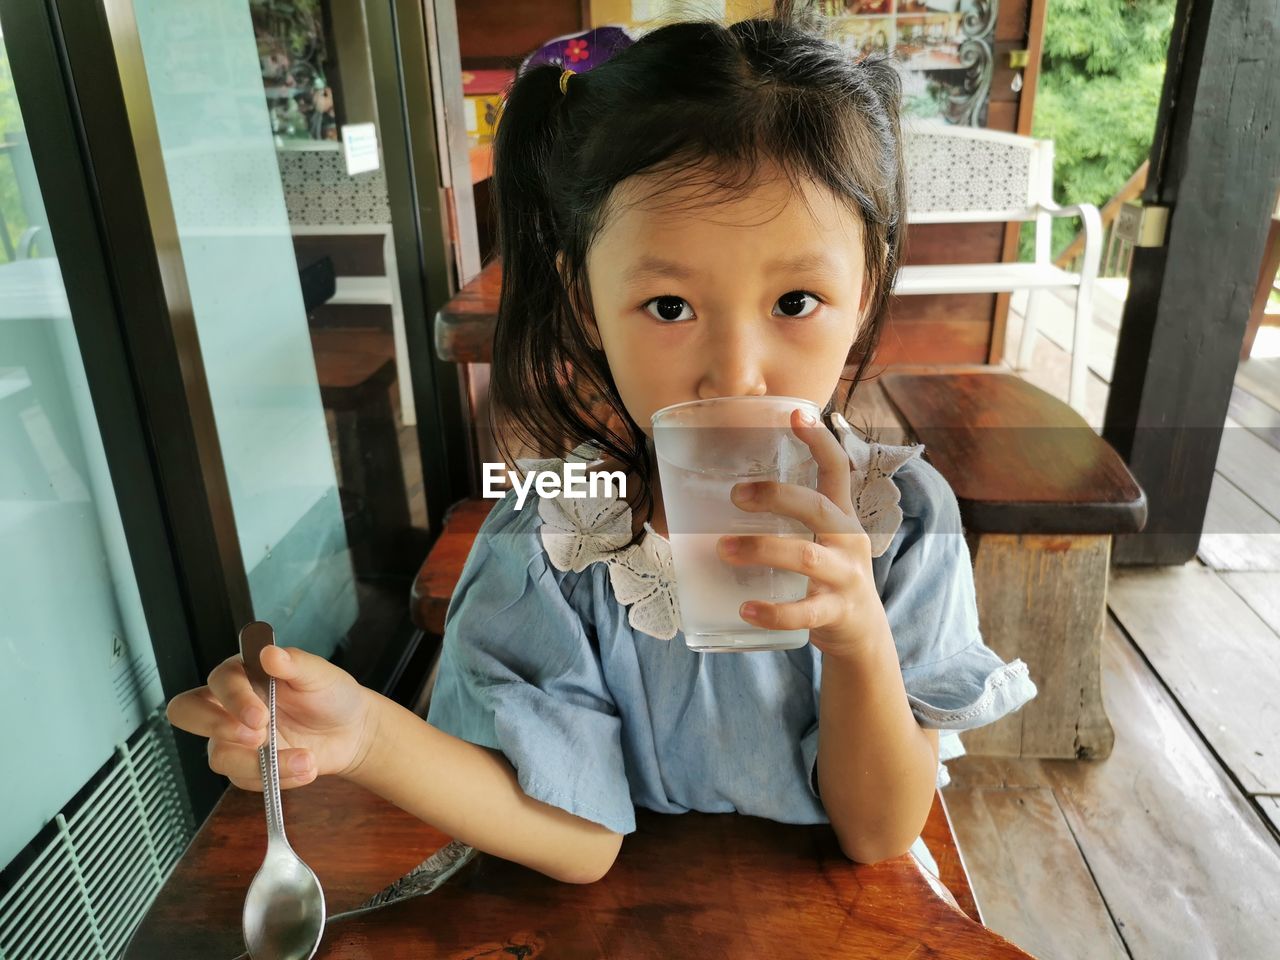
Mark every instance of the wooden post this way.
pixel 1215 162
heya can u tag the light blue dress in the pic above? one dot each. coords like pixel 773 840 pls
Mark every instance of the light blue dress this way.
pixel 543 661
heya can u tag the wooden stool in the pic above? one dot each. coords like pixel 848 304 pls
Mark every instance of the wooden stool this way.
pixel 1041 495
pixel 356 369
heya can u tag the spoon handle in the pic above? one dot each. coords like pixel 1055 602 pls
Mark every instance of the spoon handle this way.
pixel 271 785
pixel 254 638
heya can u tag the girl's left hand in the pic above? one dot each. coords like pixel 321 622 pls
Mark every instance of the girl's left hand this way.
pixel 842 608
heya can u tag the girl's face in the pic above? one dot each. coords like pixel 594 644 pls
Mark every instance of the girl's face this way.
pixel 697 296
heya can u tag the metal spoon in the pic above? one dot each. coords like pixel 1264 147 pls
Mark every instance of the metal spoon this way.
pixel 284 909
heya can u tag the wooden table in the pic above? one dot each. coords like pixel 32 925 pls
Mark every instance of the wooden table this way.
pixel 687 887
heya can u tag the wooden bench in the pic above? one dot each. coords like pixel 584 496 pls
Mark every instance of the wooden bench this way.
pixel 1041 495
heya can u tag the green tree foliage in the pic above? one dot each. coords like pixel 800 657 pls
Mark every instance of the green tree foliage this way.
pixel 10 126
pixel 1102 69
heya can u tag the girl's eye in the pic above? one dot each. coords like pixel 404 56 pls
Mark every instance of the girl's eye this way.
pixel 793 304
pixel 669 309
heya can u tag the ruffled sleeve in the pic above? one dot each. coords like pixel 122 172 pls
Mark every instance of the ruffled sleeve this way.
pixel 520 673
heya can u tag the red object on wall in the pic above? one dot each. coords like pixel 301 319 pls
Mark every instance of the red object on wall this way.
pixel 477 83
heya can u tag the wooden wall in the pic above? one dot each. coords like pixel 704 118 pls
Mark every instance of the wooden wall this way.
pixel 934 329
pixel 500 33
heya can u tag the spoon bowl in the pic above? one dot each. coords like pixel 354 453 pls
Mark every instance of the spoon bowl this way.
pixel 284 909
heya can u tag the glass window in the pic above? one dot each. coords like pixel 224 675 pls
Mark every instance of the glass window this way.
pixel 78 675
pixel 294 291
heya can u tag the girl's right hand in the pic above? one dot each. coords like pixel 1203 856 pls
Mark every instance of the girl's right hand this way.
pixel 323 718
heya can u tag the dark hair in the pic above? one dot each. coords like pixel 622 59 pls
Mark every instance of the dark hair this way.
pixel 683 95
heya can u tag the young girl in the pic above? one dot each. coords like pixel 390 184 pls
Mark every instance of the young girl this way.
pixel 712 212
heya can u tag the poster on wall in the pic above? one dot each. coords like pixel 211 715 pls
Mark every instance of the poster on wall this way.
pixel 943 48
pixel 298 68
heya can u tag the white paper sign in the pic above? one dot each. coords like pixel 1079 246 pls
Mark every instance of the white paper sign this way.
pixel 360 144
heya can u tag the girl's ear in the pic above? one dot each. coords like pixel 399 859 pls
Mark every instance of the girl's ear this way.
pixel 581 302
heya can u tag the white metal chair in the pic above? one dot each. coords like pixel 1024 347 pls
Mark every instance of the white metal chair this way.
pixel 324 200
pixel 971 175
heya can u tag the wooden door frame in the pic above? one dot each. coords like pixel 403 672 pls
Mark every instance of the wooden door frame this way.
pixel 1036 13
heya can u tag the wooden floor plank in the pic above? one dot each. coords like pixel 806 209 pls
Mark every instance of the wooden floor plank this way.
pixel 1260 376
pixel 1028 876
pixel 996 773
pixel 1261 591
pixel 1219 658
pixel 1271 807
pixel 1238 534
pixel 1251 464
pixel 1183 861
pixel 1255 415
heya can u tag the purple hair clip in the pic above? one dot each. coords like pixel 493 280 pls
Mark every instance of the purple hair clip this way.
pixel 580 52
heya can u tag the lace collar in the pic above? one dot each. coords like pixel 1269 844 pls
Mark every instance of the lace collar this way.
pixel 581 531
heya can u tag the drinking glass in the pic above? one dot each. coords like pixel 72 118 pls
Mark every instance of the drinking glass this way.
pixel 703 448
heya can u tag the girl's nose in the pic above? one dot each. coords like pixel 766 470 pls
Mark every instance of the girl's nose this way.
pixel 732 369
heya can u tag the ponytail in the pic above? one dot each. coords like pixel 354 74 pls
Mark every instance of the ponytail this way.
pixel 532 292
